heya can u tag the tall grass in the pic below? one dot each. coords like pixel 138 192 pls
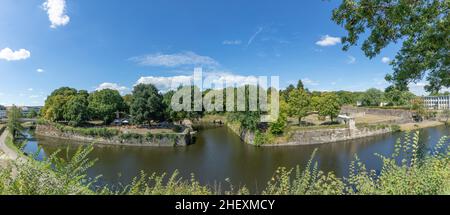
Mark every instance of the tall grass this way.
pixel 407 171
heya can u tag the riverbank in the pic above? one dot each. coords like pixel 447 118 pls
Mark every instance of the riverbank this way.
pixel 419 125
pixel 112 136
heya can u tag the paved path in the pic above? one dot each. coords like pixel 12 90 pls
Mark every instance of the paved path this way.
pixel 7 152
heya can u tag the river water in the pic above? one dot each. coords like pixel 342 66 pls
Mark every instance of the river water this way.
pixel 219 154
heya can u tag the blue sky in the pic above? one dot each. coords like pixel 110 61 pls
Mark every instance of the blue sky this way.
pixel 86 44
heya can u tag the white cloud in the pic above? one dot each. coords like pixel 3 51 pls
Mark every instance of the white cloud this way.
pixel 166 83
pixel 351 60
pixel 30 89
pixel 113 86
pixel 328 40
pixel 10 55
pixel 40 70
pixel 218 79
pixel 231 42
pixel 173 60
pixel 385 60
pixel 56 10
pixel 308 81
pixel 34 96
pixel 226 78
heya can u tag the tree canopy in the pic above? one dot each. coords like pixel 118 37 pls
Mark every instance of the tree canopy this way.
pixel 14 125
pixel 147 104
pixel 422 25
pixel 104 105
pixel 299 104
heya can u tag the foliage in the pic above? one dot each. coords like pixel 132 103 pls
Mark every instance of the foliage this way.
pixel 14 125
pixel 147 104
pixel 407 171
pixel 446 114
pixel 280 124
pixel 262 138
pixel 372 97
pixel 76 110
pixel 418 106
pixel 299 104
pixel 421 25
pixel 92 132
pixel 105 104
pixel 32 114
pixel 396 97
pixel 329 105
pixel 54 107
pixel 248 119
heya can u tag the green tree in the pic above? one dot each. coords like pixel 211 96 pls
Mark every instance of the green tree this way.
pixel 372 97
pixel 418 107
pixel 299 104
pixel 248 119
pixel 76 110
pixel 280 124
pixel 423 26
pixel 329 105
pixel 14 125
pixel 104 105
pixel 285 92
pixel 300 85
pixel 396 97
pixel 32 114
pixel 147 104
pixel 53 109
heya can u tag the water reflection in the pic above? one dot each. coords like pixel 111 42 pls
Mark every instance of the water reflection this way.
pixel 219 154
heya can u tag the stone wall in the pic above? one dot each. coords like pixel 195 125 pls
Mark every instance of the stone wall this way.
pixel 318 136
pixel 404 116
pixel 309 137
pixel 172 139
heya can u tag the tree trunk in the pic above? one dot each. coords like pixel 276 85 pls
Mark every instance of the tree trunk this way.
pixel 299 121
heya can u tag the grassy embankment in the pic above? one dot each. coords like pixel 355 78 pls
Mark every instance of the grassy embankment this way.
pixel 122 133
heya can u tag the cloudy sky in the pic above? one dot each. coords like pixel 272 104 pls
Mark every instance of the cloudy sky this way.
pixel 86 44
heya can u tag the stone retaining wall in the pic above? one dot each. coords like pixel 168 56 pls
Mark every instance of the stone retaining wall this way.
pixel 404 116
pixel 332 135
pixel 163 139
pixel 319 136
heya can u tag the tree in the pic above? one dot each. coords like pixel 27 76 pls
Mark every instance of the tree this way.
pixel 446 115
pixel 347 98
pixel 280 124
pixel 147 104
pixel 418 107
pixel 299 104
pixel 248 119
pixel 372 97
pixel 14 125
pixel 329 105
pixel 423 26
pixel 286 91
pixel 32 114
pixel 104 104
pixel 53 109
pixel 300 85
pixel 76 110
pixel 396 97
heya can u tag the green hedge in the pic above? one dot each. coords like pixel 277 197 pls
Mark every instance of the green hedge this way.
pixel 92 132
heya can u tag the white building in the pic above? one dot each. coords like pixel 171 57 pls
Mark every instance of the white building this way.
pixel 436 102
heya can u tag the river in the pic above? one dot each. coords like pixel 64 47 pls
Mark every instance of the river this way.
pixel 219 154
